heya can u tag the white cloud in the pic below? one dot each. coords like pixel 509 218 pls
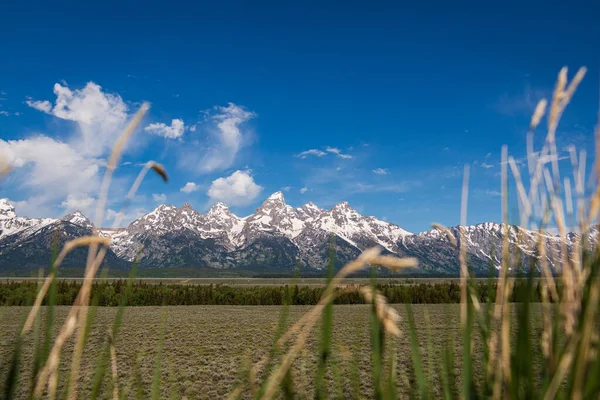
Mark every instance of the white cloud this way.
pixel 304 190
pixel 78 202
pixel 21 206
pixel 50 169
pixel 189 187
pixel 193 128
pixel 486 165
pixel 32 207
pixel 5 113
pixel 125 217
pixel 54 173
pixel 286 188
pixel 337 152
pixel 237 189
pixel 175 131
pixel 100 116
pixel 226 138
pixel 44 105
pixel 160 198
pixel 111 214
pixel 310 152
pixel 381 171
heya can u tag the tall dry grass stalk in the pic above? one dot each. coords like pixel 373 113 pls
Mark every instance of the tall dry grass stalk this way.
pixel 69 246
pixel 94 260
pixel 77 316
pixel 550 198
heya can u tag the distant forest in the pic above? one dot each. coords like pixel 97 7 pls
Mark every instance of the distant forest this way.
pixel 150 294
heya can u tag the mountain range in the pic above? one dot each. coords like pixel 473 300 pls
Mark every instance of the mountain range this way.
pixel 276 237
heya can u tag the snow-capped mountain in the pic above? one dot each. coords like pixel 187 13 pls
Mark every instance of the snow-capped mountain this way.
pixel 358 230
pixel 77 218
pixel 27 243
pixel 276 236
pixel 11 224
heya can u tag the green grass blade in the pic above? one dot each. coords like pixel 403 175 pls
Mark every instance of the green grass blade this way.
pixel 417 362
pixel 37 349
pixel 430 353
pixel 391 390
pixel 326 331
pixel 447 373
pixel 467 358
pixel 13 371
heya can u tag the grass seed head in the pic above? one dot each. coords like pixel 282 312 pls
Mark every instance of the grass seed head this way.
pixel 387 315
pixel 538 114
pixel 449 234
pixel 160 170
pixel 395 263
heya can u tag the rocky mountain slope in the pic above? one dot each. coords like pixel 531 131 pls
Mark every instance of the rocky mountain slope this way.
pixel 276 237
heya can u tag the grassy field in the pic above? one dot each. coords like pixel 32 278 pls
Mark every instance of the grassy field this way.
pixel 205 347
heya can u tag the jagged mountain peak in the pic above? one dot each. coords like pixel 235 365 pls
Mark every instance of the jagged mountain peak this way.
pixel 165 207
pixel 7 210
pixel 278 196
pixel 342 206
pixel 309 211
pixel 78 218
pixel 218 207
pixel 274 201
pixel 187 206
pixel 274 204
pixel 158 220
pixel 219 212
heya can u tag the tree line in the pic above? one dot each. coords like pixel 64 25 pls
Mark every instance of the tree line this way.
pixel 149 294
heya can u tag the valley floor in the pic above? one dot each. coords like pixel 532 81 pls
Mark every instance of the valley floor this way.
pixel 205 348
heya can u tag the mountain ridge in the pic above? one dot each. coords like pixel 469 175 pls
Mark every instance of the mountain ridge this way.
pixel 276 236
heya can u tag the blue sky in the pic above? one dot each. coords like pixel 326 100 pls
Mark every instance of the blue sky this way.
pixel 393 99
